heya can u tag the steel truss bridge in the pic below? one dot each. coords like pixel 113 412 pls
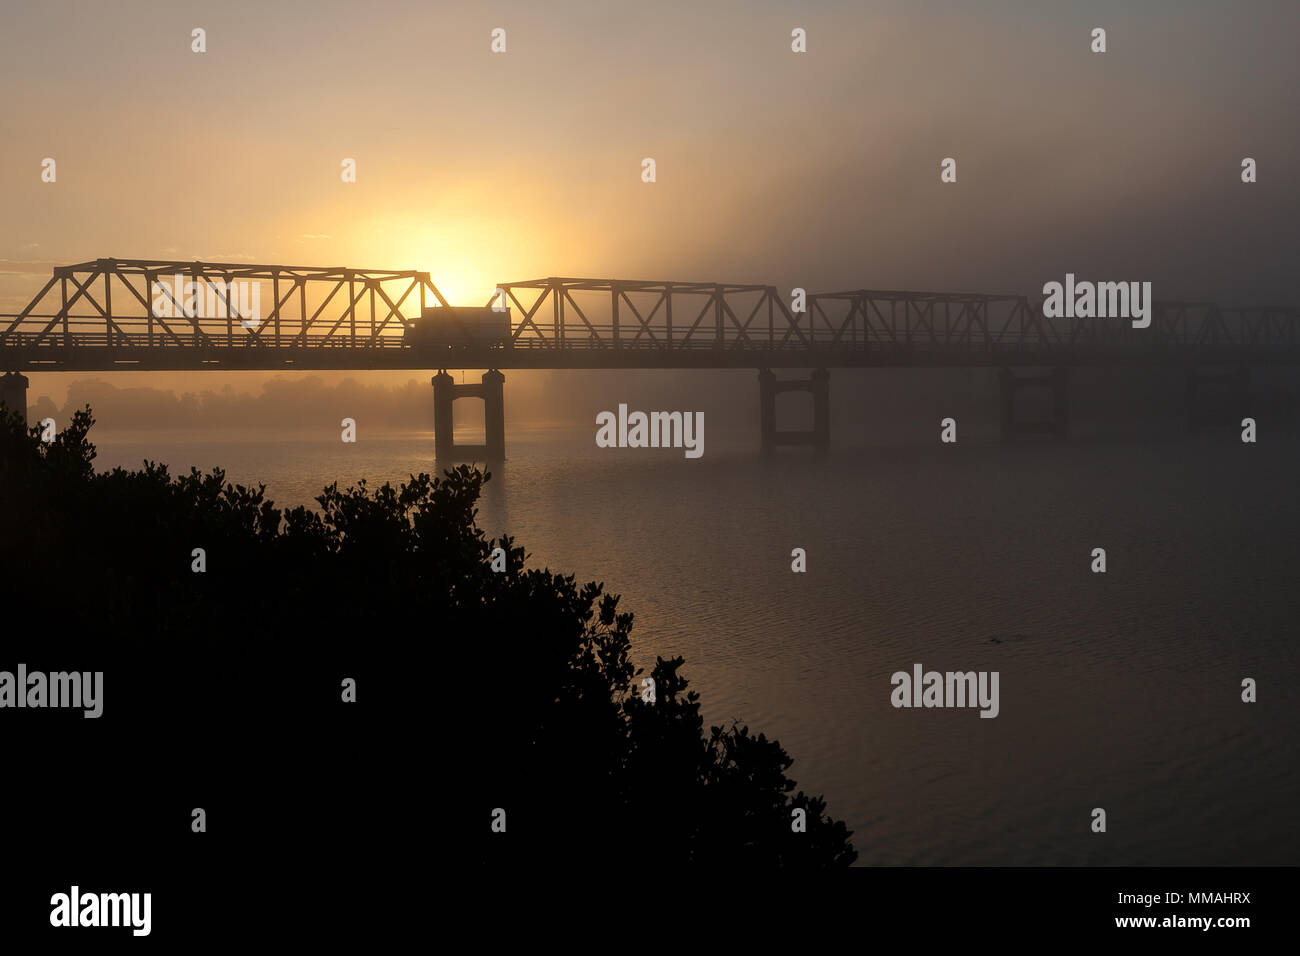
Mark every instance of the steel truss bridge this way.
pixel 124 314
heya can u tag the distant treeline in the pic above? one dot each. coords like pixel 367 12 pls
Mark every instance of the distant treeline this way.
pixel 887 402
pixel 280 403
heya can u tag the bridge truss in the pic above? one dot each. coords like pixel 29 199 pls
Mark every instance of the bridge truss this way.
pixel 116 313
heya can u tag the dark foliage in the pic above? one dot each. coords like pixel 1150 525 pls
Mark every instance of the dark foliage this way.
pixel 475 689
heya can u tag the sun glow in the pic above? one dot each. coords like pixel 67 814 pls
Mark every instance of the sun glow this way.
pixel 458 284
pixel 464 259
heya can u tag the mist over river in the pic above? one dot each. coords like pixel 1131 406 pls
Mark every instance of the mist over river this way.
pixel 1119 690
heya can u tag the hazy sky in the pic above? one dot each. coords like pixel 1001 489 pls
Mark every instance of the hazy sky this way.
pixel 819 169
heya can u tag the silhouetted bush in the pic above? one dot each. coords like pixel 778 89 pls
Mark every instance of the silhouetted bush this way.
pixel 476 690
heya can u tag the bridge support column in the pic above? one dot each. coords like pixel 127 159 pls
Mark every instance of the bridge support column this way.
pixel 767 408
pixel 444 393
pixel 492 391
pixel 13 393
pixel 494 414
pixel 821 390
pixel 769 386
pixel 1216 400
pixel 1057 380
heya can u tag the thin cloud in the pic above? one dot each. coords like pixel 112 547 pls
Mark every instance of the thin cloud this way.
pixel 14 267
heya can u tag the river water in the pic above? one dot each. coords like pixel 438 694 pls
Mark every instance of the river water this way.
pixel 1119 690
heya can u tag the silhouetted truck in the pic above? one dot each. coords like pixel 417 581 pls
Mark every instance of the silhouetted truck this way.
pixel 460 327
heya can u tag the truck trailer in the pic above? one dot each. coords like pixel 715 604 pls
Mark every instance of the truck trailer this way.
pixel 460 327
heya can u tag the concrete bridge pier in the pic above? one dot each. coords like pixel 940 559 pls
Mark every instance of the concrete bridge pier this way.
pixel 820 386
pixel 1057 380
pixel 1216 400
pixel 13 393
pixel 492 390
